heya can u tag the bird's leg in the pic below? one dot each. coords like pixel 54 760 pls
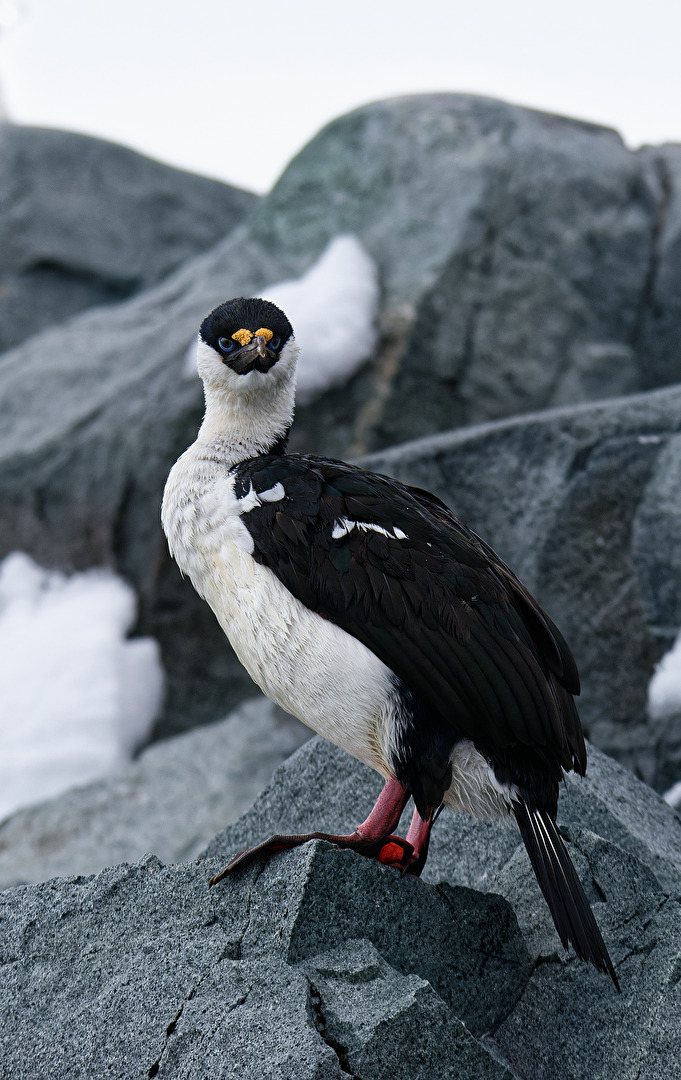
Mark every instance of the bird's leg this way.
pixel 418 837
pixel 372 838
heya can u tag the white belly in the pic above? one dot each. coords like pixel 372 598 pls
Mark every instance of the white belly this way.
pixel 306 664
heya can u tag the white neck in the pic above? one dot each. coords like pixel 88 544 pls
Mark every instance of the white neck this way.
pixel 247 414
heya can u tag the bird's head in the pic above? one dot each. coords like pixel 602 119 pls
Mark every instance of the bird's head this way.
pixel 246 346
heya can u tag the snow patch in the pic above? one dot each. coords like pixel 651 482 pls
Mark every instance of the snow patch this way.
pixel 76 698
pixel 664 689
pixel 673 796
pixel 332 309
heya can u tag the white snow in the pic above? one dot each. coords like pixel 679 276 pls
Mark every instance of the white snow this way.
pixel 76 698
pixel 664 699
pixel 664 689
pixel 332 309
pixel 673 796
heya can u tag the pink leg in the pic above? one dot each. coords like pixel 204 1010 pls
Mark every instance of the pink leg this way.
pixel 419 838
pixel 372 838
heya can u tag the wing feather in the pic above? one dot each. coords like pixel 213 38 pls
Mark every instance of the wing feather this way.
pixel 424 593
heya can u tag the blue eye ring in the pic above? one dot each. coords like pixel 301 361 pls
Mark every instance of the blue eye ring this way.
pixel 274 342
pixel 226 345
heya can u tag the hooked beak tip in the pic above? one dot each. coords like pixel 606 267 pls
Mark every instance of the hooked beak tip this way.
pixel 261 345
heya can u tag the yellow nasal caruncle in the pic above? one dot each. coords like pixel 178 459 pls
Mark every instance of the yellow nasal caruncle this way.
pixel 242 336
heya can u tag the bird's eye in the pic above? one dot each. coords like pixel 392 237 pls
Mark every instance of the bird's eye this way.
pixel 274 342
pixel 226 344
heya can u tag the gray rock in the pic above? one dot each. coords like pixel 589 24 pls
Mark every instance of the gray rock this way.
pixel 161 977
pixel 170 801
pixel 619 1036
pixel 530 260
pixel 319 963
pixel 85 222
pixel 384 1024
pixel 583 504
pixel 614 804
pixel 660 336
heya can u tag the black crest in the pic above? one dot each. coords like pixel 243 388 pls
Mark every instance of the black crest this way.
pixel 244 313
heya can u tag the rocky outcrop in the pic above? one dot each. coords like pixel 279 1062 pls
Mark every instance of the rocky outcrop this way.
pixel 171 800
pixel 318 963
pixel 527 260
pixel 524 259
pixel 85 222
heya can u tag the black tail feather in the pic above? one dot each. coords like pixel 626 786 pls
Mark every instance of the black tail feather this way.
pixel 562 889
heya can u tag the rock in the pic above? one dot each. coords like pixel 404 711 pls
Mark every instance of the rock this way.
pixel 527 260
pixel 520 255
pixel 319 963
pixel 85 222
pixel 569 1028
pixel 161 976
pixel 381 1023
pixel 660 337
pixel 170 801
pixel 583 504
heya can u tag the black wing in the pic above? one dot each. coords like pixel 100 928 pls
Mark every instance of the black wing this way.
pixel 393 567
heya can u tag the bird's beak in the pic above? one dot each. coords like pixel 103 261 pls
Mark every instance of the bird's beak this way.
pixel 252 357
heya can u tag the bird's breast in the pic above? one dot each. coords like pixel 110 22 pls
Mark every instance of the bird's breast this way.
pixel 306 664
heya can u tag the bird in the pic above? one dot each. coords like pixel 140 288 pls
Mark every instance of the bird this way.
pixel 364 607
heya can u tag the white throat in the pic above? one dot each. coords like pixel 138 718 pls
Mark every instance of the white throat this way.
pixel 246 415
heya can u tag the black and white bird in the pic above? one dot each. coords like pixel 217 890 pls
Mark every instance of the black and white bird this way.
pixel 366 609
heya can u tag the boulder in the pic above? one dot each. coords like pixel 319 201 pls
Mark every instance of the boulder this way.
pixel 527 260
pixel 84 222
pixel 320 963
pixel 171 800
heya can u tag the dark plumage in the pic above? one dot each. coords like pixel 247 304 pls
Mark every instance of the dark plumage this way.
pixel 479 684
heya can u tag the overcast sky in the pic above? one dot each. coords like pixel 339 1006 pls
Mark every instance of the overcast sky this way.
pixel 234 89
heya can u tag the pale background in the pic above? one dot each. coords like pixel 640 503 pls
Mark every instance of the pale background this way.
pixel 233 90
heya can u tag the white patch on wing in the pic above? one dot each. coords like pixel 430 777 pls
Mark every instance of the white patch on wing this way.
pixel 254 498
pixel 249 501
pixel 273 494
pixel 344 526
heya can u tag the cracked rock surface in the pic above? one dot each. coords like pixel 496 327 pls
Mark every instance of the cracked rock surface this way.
pixel 144 971
pixel 319 963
